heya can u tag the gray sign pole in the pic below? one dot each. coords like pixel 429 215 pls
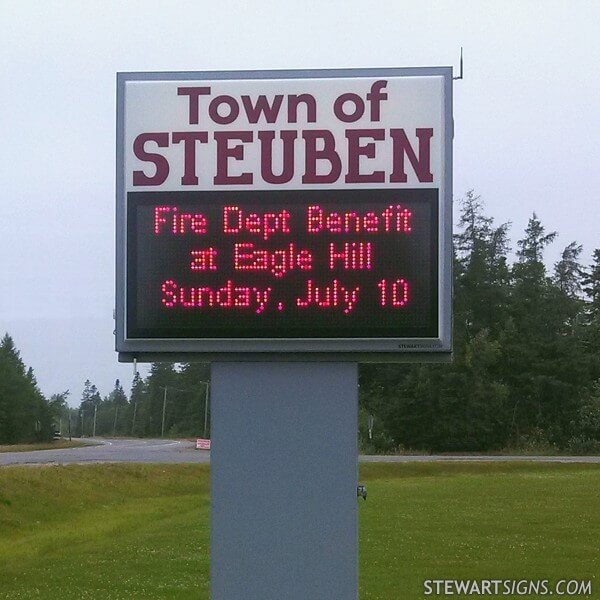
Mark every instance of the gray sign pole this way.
pixel 283 481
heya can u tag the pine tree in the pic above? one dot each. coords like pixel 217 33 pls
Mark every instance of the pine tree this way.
pixel 568 271
pixel 481 281
pixel 532 246
pixel 460 406
pixel 591 317
pixel 525 353
pixel 118 406
pixel 59 409
pixel 24 413
pixel 193 409
pixel 139 406
pixel 88 407
pixel 162 375
pixel 591 283
pixel 541 347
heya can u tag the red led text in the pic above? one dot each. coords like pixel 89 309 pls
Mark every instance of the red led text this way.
pixel 203 260
pixel 246 257
pixel 351 256
pixel 393 293
pixel 335 295
pixel 265 225
pixel 168 219
pixel 395 219
pixel 230 296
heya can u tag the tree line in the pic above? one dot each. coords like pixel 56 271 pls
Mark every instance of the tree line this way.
pixel 525 374
pixel 526 366
pixel 172 401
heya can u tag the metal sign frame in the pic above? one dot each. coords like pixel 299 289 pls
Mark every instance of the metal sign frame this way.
pixel 437 349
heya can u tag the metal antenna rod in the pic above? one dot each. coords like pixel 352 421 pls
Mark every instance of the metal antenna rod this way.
pixel 461 65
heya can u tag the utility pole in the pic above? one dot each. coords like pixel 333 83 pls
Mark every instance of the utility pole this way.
pixel 134 414
pixel 95 413
pixel 164 410
pixel 115 422
pixel 162 431
pixel 81 414
pixel 205 406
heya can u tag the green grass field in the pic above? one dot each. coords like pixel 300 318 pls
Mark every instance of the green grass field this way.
pixel 141 531
pixel 54 445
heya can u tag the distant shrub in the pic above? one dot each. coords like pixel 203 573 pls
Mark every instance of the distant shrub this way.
pixel 586 427
pixel 581 445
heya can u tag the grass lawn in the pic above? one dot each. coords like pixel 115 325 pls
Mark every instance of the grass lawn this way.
pixel 54 445
pixel 485 521
pixel 113 532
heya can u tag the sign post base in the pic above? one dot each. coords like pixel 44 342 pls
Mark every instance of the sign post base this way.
pixel 283 481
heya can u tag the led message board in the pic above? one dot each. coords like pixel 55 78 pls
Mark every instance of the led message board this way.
pixel 278 215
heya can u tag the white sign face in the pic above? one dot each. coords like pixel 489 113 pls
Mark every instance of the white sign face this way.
pixel 333 133
pixel 306 213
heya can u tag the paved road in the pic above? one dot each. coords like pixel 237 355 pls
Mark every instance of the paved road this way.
pixel 169 451
pixel 112 450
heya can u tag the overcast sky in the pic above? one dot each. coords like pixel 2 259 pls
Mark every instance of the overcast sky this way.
pixel 527 125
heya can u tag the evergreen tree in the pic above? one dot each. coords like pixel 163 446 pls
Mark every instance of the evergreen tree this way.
pixel 531 249
pixel 119 410
pixel 591 284
pixel 591 316
pixel 59 409
pixel 24 413
pixel 162 376
pixel 526 349
pixel 481 280
pixel 527 320
pixel 568 271
pixel 139 406
pixel 194 379
pixel 90 401
pixel 461 406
